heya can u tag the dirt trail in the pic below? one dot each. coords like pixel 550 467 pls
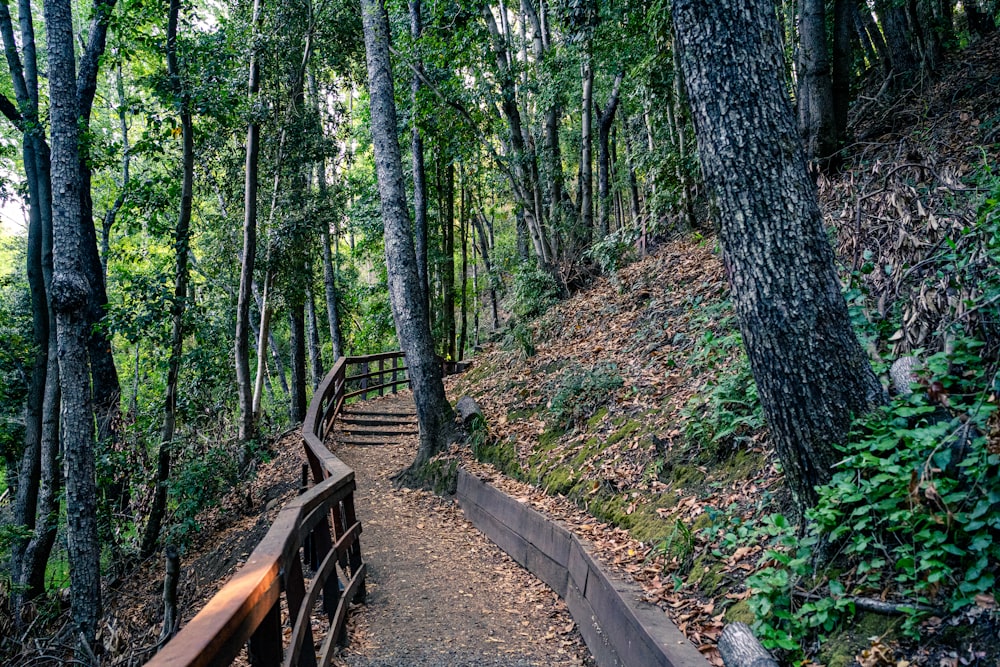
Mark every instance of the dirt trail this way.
pixel 439 593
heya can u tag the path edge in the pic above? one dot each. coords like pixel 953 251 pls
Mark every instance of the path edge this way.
pixel 619 629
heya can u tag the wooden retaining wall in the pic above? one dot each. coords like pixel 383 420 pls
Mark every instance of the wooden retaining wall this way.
pixel 620 630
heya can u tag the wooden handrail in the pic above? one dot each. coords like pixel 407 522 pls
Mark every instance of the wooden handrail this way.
pixel 319 525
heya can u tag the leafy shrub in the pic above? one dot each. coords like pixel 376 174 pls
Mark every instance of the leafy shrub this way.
pixel 727 411
pixel 534 291
pixel 519 337
pixel 581 393
pixel 915 502
pixel 196 484
pixel 613 251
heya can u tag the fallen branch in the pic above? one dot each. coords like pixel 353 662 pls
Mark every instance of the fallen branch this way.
pixel 739 648
pixel 878 606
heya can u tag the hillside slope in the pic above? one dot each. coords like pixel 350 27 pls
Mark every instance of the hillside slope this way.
pixel 633 403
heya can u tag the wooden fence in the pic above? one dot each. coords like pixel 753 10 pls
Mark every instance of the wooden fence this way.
pixel 318 528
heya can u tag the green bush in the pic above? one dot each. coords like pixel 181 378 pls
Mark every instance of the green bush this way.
pixel 613 251
pixel 534 291
pixel 914 506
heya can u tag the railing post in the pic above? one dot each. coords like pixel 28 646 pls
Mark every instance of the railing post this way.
pixel 364 380
pixel 395 373
pixel 381 377
pixel 295 594
pixel 355 551
pixel 264 648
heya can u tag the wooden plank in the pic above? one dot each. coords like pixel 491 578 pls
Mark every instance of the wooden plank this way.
pixel 340 617
pixel 264 648
pixel 501 535
pixel 593 636
pixel 578 565
pixel 551 572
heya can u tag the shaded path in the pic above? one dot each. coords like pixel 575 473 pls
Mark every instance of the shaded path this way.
pixel 439 593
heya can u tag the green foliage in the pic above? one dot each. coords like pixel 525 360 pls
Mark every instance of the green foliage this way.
pixel 198 483
pixel 613 251
pixel 914 504
pixel 519 337
pixel 727 411
pixel 16 353
pixel 581 392
pixel 534 291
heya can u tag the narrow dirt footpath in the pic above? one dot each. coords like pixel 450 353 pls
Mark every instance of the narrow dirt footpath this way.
pixel 439 593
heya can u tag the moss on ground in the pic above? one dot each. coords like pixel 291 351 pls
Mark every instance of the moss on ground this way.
pixel 840 649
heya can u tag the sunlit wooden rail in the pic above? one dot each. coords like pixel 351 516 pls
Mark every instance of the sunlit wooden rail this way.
pixel 319 528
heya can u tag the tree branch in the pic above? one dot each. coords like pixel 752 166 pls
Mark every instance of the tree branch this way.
pixel 9 110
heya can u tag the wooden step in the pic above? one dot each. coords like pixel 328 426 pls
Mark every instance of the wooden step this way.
pixel 374 433
pixel 358 421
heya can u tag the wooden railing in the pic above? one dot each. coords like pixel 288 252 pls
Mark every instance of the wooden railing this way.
pixel 319 527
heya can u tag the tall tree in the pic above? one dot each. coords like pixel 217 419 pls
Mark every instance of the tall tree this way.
pixel 182 239
pixel 70 297
pixel 815 95
pixel 417 156
pixel 244 384
pixel 810 370
pixel 408 309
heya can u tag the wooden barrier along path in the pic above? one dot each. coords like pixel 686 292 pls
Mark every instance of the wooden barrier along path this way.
pixel 619 629
pixel 319 528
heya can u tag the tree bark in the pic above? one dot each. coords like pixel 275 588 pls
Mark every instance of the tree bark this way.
pixel 448 263
pixel 811 373
pixel 894 25
pixel 182 236
pixel 815 95
pixel 315 351
pixel 586 230
pixel 434 413
pixel 843 60
pixel 417 151
pixel 244 385
pixel 484 250
pixel 607 117
pixel 463 229
pixel 70 296
pixel 297 343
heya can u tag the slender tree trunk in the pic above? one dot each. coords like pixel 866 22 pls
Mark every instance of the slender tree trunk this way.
pixel 182 236
pixel 434 413
pixel 815 95
pixel 463 225
pixel 297 343
pixel 448 265
pixel 106 386
pixel 330 290
pixel 247 424
pixel 893 18
pixel 484 250
pixel 70 295
pixel 417 151
pixel 607 117
pixel 843 57
pixel 315 348
pixel 812 374
pixel 586 230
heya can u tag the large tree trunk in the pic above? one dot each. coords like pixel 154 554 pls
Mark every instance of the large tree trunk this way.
pixel 244 385
pixel 70 296
pixel 182 236
pixel 607 117
pixel 815 95
pixel 409 312
pixel 811 373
